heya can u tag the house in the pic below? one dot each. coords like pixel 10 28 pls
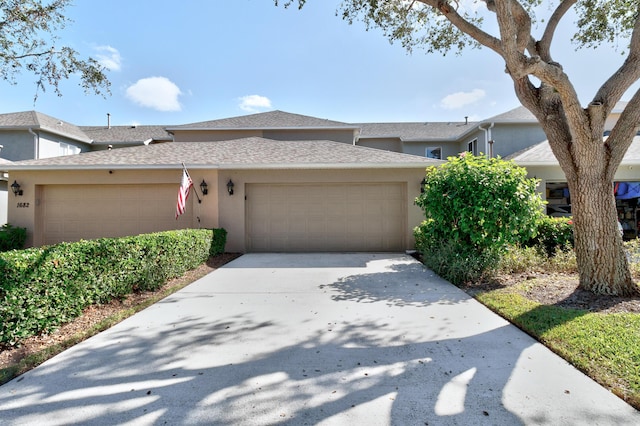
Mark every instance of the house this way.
pixel 270 195
pixel 300 183
pixel 276 181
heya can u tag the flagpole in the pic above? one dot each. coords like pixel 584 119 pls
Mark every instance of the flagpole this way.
pixel 194 189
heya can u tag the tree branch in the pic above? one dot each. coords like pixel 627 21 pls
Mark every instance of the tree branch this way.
pixel 614 88
pixel 30 55
pixel 623 132
pixel 463 25
pixel 544 45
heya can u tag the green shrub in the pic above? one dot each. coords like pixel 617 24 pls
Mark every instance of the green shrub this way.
pixel 475 207
pixel 632 248
pixel 218 242
pixel 458 266
pixel 12 238
pixel 41 288
pixel 553 234
pixel 531 259
pixel 521 259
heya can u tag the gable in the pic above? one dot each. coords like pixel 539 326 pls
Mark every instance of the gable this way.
pixel 38 121
pixel 266 120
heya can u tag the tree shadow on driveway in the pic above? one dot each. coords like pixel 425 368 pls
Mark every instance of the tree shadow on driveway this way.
pixel 404 284
pixel 366 348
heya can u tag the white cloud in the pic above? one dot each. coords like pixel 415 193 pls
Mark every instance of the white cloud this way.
pixel 254 103
pixel 158 93
pixel 109 57
pixel 461 99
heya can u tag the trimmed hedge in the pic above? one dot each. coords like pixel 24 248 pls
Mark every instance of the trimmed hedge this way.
pixel 12 237
pixel 44 287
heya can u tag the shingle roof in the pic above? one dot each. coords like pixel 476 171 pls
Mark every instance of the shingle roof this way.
pixel 115 135
pixel 416 131
pixel 523 115
pixel 516 115
pixel 37 120
pixel 254 153
pixel 541 154
pixel 266 120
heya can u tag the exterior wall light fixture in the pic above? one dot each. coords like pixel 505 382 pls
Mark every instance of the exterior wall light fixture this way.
pixel 230 186
pixel 15 187
pixel 204 187
pixel 423 182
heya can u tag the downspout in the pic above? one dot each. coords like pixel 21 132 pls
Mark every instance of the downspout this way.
pixel 487 140
pixel 36 144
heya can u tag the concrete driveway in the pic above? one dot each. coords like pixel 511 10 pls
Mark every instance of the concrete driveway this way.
pixel 328 339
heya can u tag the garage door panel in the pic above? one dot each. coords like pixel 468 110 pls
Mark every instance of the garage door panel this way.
pixel 73 212
pixel 326 217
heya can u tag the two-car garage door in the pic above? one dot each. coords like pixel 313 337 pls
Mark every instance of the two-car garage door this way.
pixel 326 217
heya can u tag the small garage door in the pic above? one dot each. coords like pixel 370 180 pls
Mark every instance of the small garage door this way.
pixel 74 212
pixel 326 217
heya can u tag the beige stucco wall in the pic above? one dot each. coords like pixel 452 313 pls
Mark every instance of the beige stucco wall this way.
pixel 388 144
pixel 210 136
pixel 338 135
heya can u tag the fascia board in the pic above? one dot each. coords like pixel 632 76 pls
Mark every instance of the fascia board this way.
pixel 323 166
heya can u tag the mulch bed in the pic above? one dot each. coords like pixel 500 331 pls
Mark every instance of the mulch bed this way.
pixel 561 290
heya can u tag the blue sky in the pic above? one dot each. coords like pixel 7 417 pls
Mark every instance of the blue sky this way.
pixel 194 60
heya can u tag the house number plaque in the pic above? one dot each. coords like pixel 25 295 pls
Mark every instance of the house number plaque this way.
pixel 23 205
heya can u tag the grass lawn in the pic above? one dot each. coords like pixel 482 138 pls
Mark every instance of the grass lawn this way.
pixel 605 346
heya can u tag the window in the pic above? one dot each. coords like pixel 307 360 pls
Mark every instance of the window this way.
pixel 68 149
pixel 472 147
pixel 433 152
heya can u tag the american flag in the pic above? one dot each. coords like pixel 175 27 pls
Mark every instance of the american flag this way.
pixel 183 192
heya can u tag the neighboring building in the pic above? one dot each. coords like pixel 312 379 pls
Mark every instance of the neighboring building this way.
pixel 501 135
pixel 542 164
pixel 32 135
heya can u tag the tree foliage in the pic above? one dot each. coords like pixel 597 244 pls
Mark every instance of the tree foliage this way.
pixel 443 25
pixel 28 43
pixel 521 33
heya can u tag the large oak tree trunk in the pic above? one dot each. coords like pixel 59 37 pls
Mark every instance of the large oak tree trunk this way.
pixel 600 255
pixel 589 164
